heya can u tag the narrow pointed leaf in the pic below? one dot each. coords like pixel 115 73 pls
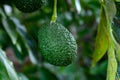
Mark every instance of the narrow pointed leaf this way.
pixel 24 40
pixel 101 44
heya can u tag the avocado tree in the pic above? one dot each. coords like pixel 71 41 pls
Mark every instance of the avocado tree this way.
pixel 59 39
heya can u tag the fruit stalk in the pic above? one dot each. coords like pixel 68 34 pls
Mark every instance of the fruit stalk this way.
pixel 54 16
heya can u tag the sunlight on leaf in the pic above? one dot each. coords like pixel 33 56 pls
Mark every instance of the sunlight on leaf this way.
pixel 8 66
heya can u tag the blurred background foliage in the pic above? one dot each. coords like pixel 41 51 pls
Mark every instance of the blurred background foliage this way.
pixel 18 38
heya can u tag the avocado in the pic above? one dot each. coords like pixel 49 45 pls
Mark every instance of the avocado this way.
pixel 116 23
pixel 28 6
pixel 56 44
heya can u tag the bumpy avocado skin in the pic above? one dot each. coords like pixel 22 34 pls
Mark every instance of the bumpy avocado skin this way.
pixel 116 23
pixel 56 44
pixel 28 6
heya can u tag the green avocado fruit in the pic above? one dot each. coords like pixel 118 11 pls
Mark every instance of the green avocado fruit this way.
pixel 28 6
pixel 116 23
pixel 57 45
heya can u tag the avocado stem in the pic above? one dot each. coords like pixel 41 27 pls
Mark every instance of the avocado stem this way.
pixel 54 16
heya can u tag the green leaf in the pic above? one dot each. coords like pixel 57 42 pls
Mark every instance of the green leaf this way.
pixel 23 77
pixel 3 72
pixel 117 0
pixel 7 70
pixel 104 34
pixel 112 64
pixel 22 44
pixel 12 32
pixel 8 26
pixel 101 44
pixel 117 49
pixel 110 9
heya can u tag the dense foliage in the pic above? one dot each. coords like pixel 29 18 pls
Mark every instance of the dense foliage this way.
pixel 19 40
